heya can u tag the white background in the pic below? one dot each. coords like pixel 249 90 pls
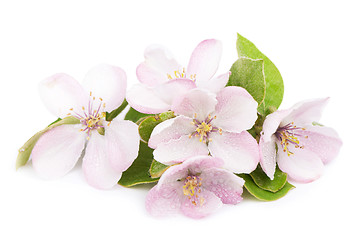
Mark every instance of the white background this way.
pixel 310 42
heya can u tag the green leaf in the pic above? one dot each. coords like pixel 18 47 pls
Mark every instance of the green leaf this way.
pixel 264 182
pixel 157 169
pixel 138 172
pixel 25 151
pixel 262 194
pixel 249 74
pixel 148 124
pixel 274 81
pixel 133 115
pixel 110 116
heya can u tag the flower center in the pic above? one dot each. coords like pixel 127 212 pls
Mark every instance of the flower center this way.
pixel 204 129
pixel 289 134
pixel 191 188
pixel 179 74
pixel 91 119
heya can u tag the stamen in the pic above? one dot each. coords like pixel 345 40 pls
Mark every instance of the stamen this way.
pixel 289 135
pixel 191 189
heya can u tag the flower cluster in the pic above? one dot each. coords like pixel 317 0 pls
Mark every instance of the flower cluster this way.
pixel 205 138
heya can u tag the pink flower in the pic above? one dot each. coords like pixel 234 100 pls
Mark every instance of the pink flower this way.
pixel 210 123
pixel 300 147
pixel 104 157
pixel 163 79
pixel 196 188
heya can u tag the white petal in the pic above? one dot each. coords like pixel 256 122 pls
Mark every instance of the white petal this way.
pixel 307 111
pixel 196 101
pixel 302 166
pixel 58 150
pixel 236 110
pixel 171 129
pixel 238 150
pixel 272 122
pixel 149 75
pixel 215 84
pixel 205 60
pixel 144 99
pixel 268 156
pixel 107 82
pixel 178 150
pixel 161 59
pixel 60 93
pixel 323 141
pixel 123 141
pixel 96 164
pixel 173 89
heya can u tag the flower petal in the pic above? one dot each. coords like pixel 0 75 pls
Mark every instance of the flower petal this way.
pixel 205 59
pixel 123 143
pixel 143 99
pixel 194 165
pixel 171 129
pixel 307 111
pixel 323 141
pixel 268 156
pixel 107 82
pixel 224 184
pixel 163 201
pixel 96 164
pixel 302 166
pixel 196 102
pixel 178 150
pixel 236 110
pixel 208 204
pixel 58 150
pixel 215 84
pixel 160 59
pixel 238 150
pixel 272 122
pixel 149 75
pixel 62 92
pixel 172 89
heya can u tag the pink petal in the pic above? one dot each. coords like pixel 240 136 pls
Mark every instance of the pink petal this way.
pixel 163 201
pixel 60 93
pixel 272 122
pixel 145 100
pixel 205 60
pixel 123 141
pixel 323 141
pixel 107 82
pixel 268 156
pixel 149 75
pixel 224 184
pixel 178 150
pixel 96 163
pixel 208 205
pixel 172 89
pixel 307 112
pixel 236 110
pixel 162 60
pixel 58 150
pixel 302 166
pixel 171 129
pixel 239 151
pixel 196 102
pixel 215 84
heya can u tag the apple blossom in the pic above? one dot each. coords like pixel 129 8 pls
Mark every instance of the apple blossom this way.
pixel 300 147
pixel 107 148
pixel 163 79
pixel 209 123
pixel 195 188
